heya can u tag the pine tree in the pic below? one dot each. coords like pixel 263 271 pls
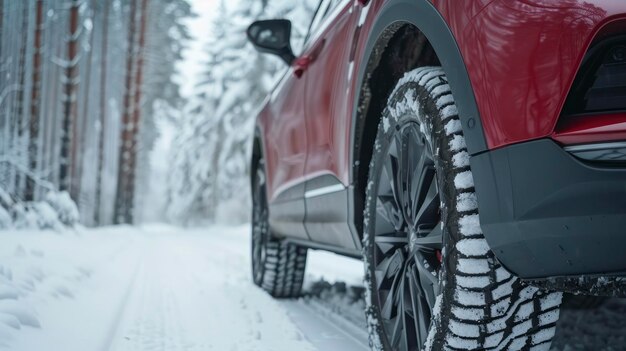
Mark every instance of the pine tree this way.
pixel 70 81
pixel 212 149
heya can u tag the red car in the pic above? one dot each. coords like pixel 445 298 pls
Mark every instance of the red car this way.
pixel 403 120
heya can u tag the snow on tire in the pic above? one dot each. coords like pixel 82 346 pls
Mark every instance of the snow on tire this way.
pixel 479 305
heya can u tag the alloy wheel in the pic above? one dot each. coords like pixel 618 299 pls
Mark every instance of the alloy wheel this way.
pixel 408 238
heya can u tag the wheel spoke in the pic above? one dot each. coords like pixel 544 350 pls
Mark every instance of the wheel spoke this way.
pixel 391 302
pixel 395 240
pixel 392 164
pixel 428 280
pixel 419 162
pixel 429 208
pixel 416 297
pixel 403 173
pixel 387 271
pixel 387 210
pixel 387 243
pixel 388 204
pixel 433 240
pixel 403 142
pixel 406 337
pixel 396 334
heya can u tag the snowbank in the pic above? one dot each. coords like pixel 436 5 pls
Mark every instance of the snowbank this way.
pixel 56 211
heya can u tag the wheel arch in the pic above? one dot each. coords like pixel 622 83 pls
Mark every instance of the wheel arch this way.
pixel 382 42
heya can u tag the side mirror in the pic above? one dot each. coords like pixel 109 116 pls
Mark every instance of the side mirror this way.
pixel 272 37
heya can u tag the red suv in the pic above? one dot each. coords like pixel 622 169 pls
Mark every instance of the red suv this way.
pixel 403 120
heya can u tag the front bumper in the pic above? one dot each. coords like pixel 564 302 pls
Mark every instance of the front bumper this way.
pixel 546 214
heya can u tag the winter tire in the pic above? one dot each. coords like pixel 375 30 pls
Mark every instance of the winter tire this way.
pixel 432 281
pixel 277 266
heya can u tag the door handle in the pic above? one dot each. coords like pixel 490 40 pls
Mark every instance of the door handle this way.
pixel 300 65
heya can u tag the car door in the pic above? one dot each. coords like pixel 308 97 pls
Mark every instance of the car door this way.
pixel 285 131
pixel 285 144
pixel 327 168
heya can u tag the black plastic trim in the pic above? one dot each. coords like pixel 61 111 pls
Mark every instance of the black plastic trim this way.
pixel 613 152
pixel 545 213
pixel 585 77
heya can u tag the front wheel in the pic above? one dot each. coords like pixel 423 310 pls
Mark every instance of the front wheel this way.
pixel 432 281
pixel 277 266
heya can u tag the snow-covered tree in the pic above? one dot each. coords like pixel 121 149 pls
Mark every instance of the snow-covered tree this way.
pixel 212 149
pixel 165 42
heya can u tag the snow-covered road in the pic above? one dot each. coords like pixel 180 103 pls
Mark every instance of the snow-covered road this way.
pixel 166 288
pixel 156 288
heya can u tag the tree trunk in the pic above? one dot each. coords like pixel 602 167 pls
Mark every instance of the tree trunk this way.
pixel 102 112
pixel 55 118
pixel 80 139
pixel 136 117
pixel 122 213
pixel 69 104
pixel 35 102
pixel 18 118
pixel 1 24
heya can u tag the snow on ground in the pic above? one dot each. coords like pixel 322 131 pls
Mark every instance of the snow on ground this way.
pixel 166 288
pixel 153 288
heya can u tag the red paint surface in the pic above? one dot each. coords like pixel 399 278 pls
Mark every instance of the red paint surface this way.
pixel 283 127
pixel 327 121
pixel 522 57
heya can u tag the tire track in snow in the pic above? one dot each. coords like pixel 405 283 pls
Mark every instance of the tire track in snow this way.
pixel 325 329
pixel 114 326
pixel 322 327
pixel 152 320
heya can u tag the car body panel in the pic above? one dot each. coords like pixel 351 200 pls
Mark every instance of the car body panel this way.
pixel 325 101
pixel 285 143
pixel 282 124
pixel 522 57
